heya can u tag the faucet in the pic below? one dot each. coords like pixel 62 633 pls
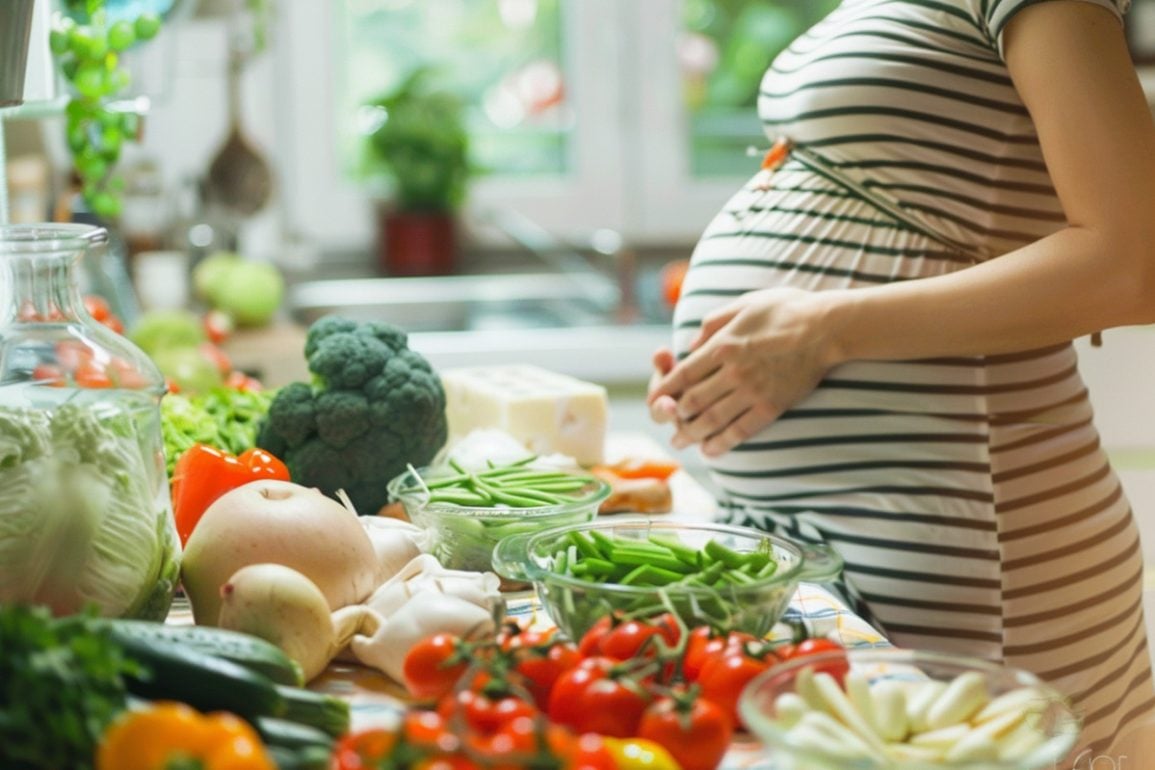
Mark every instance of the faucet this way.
pixel 571 258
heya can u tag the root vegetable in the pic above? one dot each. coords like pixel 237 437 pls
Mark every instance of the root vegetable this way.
pixel 281 523
pixel 282 606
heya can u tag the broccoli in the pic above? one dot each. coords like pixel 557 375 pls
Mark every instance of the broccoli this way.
pixel 373 407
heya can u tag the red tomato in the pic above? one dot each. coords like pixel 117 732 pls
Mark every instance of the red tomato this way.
pixel 428 730
pixel 432 666
pixel 114 323
pixel 590 753
pixel 218 325
pixel 837 666
pixel 589 700
pixel 541 669
pixel 217 357
pixel 696 735
pixel 631 638
pixel 704 643
pixel 441 762
pixel 91 374
pixel 49 374
pixel 97 307
pixel 363 750
pixel 590 643
pixel 723 678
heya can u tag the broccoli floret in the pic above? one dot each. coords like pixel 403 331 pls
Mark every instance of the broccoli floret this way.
pixel 347 359
pixel 374 406
pixel 322 328
pixel 342 416
pixel 292 418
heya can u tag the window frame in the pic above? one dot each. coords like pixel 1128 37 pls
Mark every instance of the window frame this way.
pixel 629 162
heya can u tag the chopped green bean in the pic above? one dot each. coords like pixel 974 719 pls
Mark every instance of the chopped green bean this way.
pixel 718 552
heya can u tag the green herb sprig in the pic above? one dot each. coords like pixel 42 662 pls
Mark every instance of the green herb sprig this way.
pixel 61 684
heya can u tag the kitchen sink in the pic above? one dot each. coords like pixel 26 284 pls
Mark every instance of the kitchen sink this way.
pixel 461 303
pixel 566 322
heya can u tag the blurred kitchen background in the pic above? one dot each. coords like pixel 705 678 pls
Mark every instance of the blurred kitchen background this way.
pixel 510 180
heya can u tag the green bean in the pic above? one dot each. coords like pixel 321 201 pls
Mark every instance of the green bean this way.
pixel 718 552
pixel 585 546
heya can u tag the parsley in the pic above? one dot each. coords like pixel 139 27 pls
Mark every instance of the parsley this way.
pixel 61 683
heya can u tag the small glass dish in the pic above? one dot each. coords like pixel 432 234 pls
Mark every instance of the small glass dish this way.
pixel 575 604
pixel 463 537
pixel 1047 726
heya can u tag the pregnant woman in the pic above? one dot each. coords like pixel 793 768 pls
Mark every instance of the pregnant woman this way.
pixel 873 342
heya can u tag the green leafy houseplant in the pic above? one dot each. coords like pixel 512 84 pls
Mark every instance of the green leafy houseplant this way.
pixel 419 149
pixel 88 45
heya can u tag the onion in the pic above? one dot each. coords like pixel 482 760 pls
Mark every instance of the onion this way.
pixel 278 522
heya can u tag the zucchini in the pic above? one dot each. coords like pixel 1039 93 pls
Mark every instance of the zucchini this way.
pixel 249 651
pixel 291 735
pixel 307 758
pixel 323 712
pixel 205 682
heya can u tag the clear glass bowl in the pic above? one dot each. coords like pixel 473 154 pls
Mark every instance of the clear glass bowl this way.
pixel 1051 724
pixel 575 604
pixel 464 537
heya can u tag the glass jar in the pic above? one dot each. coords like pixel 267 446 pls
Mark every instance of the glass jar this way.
pixel 85 514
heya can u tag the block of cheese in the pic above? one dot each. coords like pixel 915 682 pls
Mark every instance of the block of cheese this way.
pixel 547 411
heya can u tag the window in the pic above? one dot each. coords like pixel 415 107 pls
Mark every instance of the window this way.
pixel 628 114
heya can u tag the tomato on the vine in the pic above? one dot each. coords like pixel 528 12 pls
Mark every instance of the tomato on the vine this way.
pixel 363 750
pixel 590 643
pixel 633 637
pixel 723 678
pixel 694 730
pixel 429 730
pixel 480 712
pixel 704 643
pixel 432 666
pixel 837 666
pixel 540 669
pixel 590 699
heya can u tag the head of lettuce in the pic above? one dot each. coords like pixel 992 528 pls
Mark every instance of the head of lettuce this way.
pixel 84 513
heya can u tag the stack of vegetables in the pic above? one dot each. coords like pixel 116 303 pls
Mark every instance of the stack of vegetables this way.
pixel 630 694
pixel 82 693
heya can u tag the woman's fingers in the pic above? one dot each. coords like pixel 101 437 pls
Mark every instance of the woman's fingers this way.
pixel 664 409
pixel 715 321
pixel 711 420
pixel 745 426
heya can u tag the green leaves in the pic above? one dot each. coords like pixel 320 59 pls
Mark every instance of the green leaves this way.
pixel 60 686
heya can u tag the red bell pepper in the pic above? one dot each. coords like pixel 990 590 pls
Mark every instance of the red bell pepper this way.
pixel 204 473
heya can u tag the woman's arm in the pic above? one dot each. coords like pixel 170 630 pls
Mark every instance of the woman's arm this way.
pixel 1069 62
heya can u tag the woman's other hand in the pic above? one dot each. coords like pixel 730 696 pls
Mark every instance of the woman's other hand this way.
pixel 751 361
pixel 663 408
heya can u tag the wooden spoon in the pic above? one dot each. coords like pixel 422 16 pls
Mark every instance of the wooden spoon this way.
pixel 239 178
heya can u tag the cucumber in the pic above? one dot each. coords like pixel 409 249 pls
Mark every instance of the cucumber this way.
pixel 291 735
pixel 323 712
pixel 252 652
pixel 305 758
pixel 205 682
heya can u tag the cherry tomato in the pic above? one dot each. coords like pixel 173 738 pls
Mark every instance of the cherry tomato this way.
pixel 589 700
pixel 590 643
pixel 723 678
pixel 445 762
pixel 837 666
pixel 704 643
pixel 432 666
pixel 429 730
pixel 97 307
pixel 632 638
pixel 363 750
pixel 540 669
pixel 91 374
pixel 49 374
pixel 696 734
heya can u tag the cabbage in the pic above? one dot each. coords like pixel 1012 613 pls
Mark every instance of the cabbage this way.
pixel 83 518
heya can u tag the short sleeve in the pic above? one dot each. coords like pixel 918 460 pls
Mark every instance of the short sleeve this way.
pixel 998 13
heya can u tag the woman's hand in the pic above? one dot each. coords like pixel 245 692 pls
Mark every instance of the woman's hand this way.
pixel 751 361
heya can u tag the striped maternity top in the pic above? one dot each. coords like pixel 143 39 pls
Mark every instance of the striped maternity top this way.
pixel 970 498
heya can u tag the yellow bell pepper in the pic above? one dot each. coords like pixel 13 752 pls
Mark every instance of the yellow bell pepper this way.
pixel 170 735
pixel 640 754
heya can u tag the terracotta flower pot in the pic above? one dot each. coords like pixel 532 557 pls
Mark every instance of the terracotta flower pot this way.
pixel 417 242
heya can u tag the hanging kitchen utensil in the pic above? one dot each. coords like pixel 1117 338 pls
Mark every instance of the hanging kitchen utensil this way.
pixel 239 179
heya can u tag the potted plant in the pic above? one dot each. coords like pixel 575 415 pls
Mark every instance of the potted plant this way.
pixel 419 151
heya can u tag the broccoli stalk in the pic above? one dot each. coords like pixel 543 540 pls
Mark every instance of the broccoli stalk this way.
pixel 373 407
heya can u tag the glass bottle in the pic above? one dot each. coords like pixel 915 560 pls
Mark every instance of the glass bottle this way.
pixel 85 513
